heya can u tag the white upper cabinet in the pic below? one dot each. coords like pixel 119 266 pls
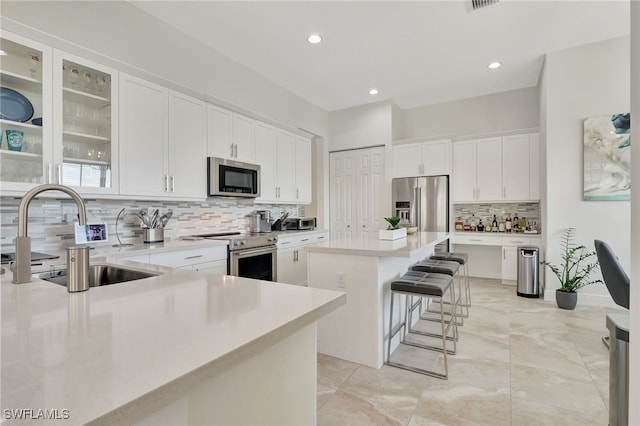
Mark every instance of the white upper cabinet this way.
pixel 27 69
pixel 162 141
pixel 285 166
pixel 243 140
pixel 230 135
pixel 144 134
pixel 219 132
pixel 489 169
pixel 429 158
pixel 515 167
pixel 266 141
pixel 464 171
pixel 496 169
pixel 303 164
pixel 187 152
pixel 85 117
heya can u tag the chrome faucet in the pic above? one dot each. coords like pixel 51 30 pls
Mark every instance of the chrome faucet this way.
pixel 21 267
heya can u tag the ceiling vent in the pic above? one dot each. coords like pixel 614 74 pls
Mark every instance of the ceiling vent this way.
pixel 477 4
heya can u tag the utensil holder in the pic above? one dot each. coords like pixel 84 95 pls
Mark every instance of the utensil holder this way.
pixel 153 235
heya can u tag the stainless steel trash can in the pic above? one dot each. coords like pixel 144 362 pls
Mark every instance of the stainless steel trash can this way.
pixel 528 272
pixel 618 325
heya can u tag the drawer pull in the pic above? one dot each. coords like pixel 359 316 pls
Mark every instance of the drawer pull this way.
pixel 475 239
pixel 321 238
pixel 285 242
pixel 518 241
pixel 306 239
pixel 194 257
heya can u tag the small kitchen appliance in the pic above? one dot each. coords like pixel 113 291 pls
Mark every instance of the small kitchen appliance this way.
pixel 299 223
pixel 264 221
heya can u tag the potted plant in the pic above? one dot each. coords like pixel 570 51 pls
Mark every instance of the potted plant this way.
pixel 393 231
pixel 575 271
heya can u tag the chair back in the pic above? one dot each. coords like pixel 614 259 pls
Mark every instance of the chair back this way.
pixel 615 278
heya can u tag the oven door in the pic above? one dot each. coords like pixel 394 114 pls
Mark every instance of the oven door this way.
pixel 259 263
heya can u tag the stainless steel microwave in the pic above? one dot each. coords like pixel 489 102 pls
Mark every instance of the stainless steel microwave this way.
pixel 229 178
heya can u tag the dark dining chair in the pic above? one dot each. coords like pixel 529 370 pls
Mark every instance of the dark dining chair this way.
pixel 615 277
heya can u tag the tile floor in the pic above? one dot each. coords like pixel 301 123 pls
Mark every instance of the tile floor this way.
pixel 520 362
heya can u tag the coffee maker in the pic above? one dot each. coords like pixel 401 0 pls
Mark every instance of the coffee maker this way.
pixel 263 218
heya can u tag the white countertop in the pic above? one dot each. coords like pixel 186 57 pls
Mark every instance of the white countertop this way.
pixel 403 247
pixel 102 353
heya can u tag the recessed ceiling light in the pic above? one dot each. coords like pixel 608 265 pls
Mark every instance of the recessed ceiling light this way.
pixel 494 65
pixel 314 38
pixel 373 91
pixel 3 53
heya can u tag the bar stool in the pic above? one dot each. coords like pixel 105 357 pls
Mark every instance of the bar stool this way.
pixel 463 260
pixel 426 285
pixel 444 267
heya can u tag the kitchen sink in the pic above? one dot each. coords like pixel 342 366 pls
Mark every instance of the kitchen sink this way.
pixel 99 275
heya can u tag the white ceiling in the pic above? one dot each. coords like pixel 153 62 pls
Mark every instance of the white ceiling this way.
pixel 414 53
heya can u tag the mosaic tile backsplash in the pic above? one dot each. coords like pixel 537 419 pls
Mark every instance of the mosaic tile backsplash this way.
pixel 530 211
pixel 51 220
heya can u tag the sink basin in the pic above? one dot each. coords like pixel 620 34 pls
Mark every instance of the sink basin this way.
pixel 98 275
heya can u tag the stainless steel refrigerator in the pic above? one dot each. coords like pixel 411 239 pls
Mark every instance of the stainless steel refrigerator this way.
pixel 423 202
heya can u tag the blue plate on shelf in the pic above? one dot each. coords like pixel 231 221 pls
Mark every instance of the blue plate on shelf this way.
pixel 14 106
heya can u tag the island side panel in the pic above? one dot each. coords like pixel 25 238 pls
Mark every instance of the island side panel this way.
pixel 358 331
pixel 351 331
pixel 277 386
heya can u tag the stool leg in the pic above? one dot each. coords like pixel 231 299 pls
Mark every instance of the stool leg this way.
pixel 390 329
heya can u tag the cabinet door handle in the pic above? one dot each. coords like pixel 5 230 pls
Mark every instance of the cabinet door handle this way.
pixel 47 176
pixel 194 257
pixel 59 167
pixel 306 239
pixel 297 193
pixel 475 239
pixel 518 241
pixel 504 251
pixel 320 238
pixel 173 183
pixel 231 150
pixel 235 150
pixel 285 242
pixel 166 183
pixel 504 192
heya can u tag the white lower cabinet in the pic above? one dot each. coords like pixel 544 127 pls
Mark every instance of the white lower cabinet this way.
pixel 510 255
pixel 292 256
pixel 483 251
pixel 209 259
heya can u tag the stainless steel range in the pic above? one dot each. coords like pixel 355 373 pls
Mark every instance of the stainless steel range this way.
pixel 250 255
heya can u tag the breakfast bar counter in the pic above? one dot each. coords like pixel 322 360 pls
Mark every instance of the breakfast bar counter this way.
pixel 183 347
pixel 363 268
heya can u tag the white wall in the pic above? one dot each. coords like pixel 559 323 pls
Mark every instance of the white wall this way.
pixel 512 110
pixel 634 343
pixel 125 33
pixel 360 126
pixel 582 82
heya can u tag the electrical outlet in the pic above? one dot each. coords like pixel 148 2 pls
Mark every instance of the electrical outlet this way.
pixel 341 283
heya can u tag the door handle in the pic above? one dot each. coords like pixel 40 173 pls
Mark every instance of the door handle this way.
pixel 231 150
pixel 166 183
pixel 173 183
pixel 194 257
pixel 297 193
pixel 235 150
pixel 48 176
pixel 59 167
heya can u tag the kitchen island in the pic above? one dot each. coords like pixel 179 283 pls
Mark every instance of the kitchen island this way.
pixel 363 268
pixel 182 347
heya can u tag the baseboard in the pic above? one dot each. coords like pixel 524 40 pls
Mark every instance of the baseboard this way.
pixel 586 299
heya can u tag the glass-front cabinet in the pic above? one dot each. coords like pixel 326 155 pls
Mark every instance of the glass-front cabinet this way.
pixel 25 112
pixel 58 115
pixel 85 94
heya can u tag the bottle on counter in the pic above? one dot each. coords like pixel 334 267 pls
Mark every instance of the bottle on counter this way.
pixel 494 224
pixel 459 225
pixel 501 225
pixel 523 224
pixel 516 223
pixel 507 223
pixel 480 226
pixel 473 222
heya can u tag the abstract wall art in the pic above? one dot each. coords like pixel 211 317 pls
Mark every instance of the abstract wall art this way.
pixel 607 157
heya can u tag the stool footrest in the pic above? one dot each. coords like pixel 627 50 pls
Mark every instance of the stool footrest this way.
pixel 418 370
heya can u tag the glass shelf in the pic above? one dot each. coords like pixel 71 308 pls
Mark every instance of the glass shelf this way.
pixel 14 79
pixel 9 123
pixel 83 161
pixel 19 154
pixel 85 98
pixel 84 137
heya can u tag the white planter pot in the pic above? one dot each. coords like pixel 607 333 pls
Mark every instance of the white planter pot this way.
pixel 392 234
